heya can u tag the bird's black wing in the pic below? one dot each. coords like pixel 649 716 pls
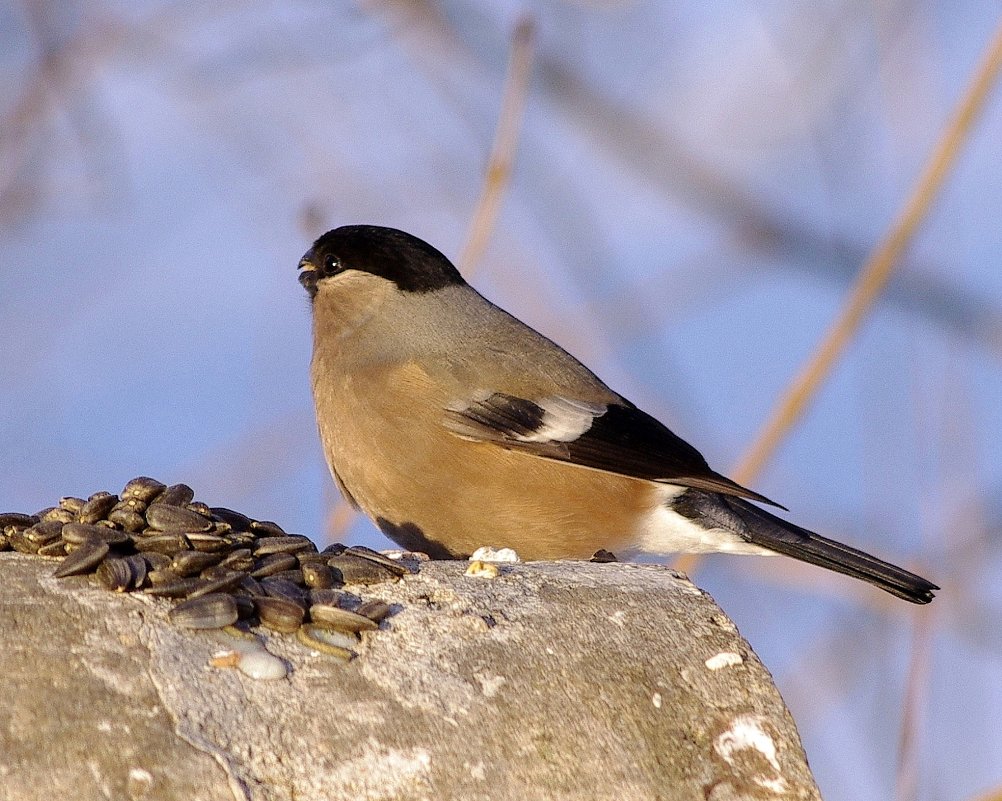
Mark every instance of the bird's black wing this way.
pixel 616 438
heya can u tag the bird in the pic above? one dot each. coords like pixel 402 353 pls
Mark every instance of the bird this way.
pixel 454 425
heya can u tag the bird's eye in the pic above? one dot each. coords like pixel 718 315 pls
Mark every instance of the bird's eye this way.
pixel 332 265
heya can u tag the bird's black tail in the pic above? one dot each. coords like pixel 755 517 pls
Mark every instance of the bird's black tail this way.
pixel 759 527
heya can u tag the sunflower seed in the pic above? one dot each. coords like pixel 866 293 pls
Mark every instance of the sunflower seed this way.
pixel 252 586
pixel 182 588
pixel 279 614
pixel 57 548
pixel 12 521
pixel 143 489
pixel 294 576
pixel 127 518
pixel 236 521
pixel 44 533
pixel 311 558
pixel 345 600
pixel 218 584
pixel 327 641
pixel 240 559
pixel 213 572
pixel 286 544
pixel 71 504
pixel 358 570
pixel 266 528
pixel 241 539
pixel 209 543
pixel 83 560
pixel 174 519
pixel 188 563
pixel 213 611
pixel 199 508
pixel 97 507
pixel 169 544
pixel 175 495
pixel 337 618
pixel 376 611
pixel 283 588
pixel 319 576
pixel 160 575
pixel 79 533
pixel 245 606
pixel 21 543
pixel 115 575
pixel 135 504
pixel 139 569
pixel 55 513
pixel 273 563
pixel 156 561
pixel 393 565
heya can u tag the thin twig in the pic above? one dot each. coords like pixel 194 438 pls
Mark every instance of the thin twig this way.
pixel 502 154
pixel 340 516
pixel 916 689
pixel 878 268
pixel 872 279
pixel 995 794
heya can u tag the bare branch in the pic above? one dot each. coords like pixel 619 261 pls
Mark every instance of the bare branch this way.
pixel 502 155
pixel 916 693
pixel 878 269
pixel 873 278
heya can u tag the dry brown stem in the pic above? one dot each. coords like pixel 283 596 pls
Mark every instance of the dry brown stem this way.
pixel 872 279
pixel 499 165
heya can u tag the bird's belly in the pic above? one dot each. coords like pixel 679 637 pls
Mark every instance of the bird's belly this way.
pixel 490 496
pixel 430 490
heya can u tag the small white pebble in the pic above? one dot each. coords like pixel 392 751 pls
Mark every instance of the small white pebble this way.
pixel 250 657
pixel 259 664
pixel 482 570
pixel 488 554
pixel 656 700
pixel 724 659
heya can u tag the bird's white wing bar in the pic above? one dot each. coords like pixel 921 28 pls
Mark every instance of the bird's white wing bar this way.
pixel 564 420
pixel 497 417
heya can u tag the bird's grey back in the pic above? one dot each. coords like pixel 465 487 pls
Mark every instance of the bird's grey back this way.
pixel 458 331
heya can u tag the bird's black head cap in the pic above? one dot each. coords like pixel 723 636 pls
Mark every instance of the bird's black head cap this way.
pixel 410 263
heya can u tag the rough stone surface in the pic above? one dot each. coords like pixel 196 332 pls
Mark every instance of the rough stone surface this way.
pixel 552 681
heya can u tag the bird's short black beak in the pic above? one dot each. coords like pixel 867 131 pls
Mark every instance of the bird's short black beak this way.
pixel 308 275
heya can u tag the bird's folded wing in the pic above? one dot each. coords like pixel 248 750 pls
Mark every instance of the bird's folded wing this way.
pixel 616 438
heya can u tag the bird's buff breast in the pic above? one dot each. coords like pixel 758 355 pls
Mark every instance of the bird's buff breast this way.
pixel 405 471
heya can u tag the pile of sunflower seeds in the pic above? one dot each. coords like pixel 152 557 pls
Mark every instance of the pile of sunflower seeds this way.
pixel 221 565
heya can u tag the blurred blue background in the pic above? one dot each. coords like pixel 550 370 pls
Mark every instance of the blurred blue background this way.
pixel 695 187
